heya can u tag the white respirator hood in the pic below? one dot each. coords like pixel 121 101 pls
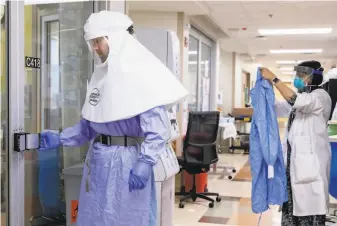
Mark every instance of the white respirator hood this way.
pixel 133 82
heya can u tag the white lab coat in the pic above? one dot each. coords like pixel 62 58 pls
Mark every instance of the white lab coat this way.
pixel 311 154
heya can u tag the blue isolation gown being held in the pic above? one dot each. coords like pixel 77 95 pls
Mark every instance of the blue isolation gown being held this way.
pixel 269 184
pixel 127 99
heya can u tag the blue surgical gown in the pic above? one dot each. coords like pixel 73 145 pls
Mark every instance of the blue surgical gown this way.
pixel 266 150
pixel 107 201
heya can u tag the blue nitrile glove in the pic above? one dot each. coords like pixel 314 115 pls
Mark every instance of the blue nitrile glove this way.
pixel 139 175
pixel 49 140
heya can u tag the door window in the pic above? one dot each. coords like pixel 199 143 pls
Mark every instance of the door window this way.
pixel 192 76
pixel 205 74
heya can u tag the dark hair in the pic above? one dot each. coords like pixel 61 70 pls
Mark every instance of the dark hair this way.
pixel 316 78
pixel 131 30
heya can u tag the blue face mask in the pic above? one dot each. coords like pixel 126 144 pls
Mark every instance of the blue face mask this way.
pixel 298 83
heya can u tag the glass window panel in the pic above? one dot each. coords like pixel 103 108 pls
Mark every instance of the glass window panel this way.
pixel 205 77
pixel 192 77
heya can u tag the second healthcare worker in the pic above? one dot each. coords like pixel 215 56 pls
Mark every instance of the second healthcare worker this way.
pixel 308 148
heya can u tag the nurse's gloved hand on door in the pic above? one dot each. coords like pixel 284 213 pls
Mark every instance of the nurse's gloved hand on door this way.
pixel 139 176
pixel 49 140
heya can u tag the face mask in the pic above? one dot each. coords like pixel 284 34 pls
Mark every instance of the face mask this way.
pixel 298 83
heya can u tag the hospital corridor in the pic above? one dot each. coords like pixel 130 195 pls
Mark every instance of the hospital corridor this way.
pixel 168 113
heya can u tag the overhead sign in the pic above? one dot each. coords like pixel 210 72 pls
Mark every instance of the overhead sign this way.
pixel 32 62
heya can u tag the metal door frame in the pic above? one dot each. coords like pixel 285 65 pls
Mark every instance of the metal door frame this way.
pixel 16 81
pixel 15 89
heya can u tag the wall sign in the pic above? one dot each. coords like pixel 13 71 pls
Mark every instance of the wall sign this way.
pixel 32 62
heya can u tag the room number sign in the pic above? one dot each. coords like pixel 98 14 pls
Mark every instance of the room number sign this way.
pixel 32 62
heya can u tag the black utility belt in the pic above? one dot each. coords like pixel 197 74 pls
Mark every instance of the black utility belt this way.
pixel 119 140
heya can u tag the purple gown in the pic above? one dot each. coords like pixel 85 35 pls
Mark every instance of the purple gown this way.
pixel 105 199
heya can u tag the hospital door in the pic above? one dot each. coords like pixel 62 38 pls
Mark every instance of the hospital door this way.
pixel 50 94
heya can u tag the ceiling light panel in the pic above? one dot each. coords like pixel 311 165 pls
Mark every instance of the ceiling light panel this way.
pixel 299 31
pixel 288 73
pixel 295 51
pixel 289 62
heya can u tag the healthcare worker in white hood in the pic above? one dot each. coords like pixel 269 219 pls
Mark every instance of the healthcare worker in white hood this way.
pixel 308 148
pixel 125 119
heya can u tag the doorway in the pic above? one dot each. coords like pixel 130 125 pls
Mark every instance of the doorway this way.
pixel 46 94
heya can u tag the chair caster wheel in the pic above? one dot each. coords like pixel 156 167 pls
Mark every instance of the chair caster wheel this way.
pixel 211 204
pixel 218 199
pixel 181 205
pixel 230 177
pixel 234 170
pixel 194 199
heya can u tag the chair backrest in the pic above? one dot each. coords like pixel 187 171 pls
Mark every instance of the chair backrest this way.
pixel 201 136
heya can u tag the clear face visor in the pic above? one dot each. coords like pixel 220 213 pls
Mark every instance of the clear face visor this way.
pixel 99 48
pixel 302 72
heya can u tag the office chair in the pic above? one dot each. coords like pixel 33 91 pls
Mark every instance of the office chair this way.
pixel 49 190
pixel 199 152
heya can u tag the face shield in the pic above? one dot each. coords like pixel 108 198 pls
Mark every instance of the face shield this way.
pixel 99 48
pixel 302 71
pixel 303 77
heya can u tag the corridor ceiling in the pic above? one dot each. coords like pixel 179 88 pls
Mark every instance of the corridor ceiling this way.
pixel 240 21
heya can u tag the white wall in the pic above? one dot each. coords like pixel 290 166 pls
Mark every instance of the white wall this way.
pixel 238 81
pixel 206 26
pixel 252 69
pixel 226 81
pixel 167 20
pixel 240 66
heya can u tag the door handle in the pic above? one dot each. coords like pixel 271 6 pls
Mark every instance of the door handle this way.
pixel 26 141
